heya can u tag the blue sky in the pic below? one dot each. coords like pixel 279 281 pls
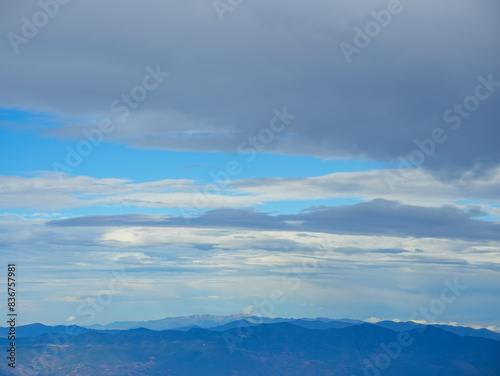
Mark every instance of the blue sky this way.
pixel 212 160
pixel 34 152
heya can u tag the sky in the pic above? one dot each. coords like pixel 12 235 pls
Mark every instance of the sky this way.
pixel 287 158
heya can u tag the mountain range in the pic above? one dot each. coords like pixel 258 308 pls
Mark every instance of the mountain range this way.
pixel 221 323
pixel 245 347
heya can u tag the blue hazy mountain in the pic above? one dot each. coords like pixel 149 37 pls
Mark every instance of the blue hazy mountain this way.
pixel 33 330
pixel 460 330
pixel 202 321
pixel 304 323
pixel 258 350
pixel 211 321
pixel 221 323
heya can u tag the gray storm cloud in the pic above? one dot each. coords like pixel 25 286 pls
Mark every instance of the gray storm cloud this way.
pixel 418 73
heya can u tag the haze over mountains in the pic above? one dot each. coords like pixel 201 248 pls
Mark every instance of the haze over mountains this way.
pixel 246 348
pixel 223 323
pixel 209 321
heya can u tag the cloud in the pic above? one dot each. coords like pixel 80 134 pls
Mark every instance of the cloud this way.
pixel 46 192
pixel 356 250
pixel 373 320
pixel 409 185
pixel 226 77
pixel 378 217
pixel 173 266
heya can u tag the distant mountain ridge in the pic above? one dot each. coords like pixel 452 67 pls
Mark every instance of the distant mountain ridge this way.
pixel 459 330
pixel 34 330
pixel 226 322
pixel 266 350
pixel 204 321
pixel 223 323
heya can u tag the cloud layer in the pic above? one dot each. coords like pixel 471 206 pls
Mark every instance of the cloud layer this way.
pixel 379 217
pixel 226 77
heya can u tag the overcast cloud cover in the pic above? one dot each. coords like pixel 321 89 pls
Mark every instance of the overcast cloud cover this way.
pixel 257 145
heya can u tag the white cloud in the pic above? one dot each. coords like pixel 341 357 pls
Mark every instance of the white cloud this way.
pixel 47 192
